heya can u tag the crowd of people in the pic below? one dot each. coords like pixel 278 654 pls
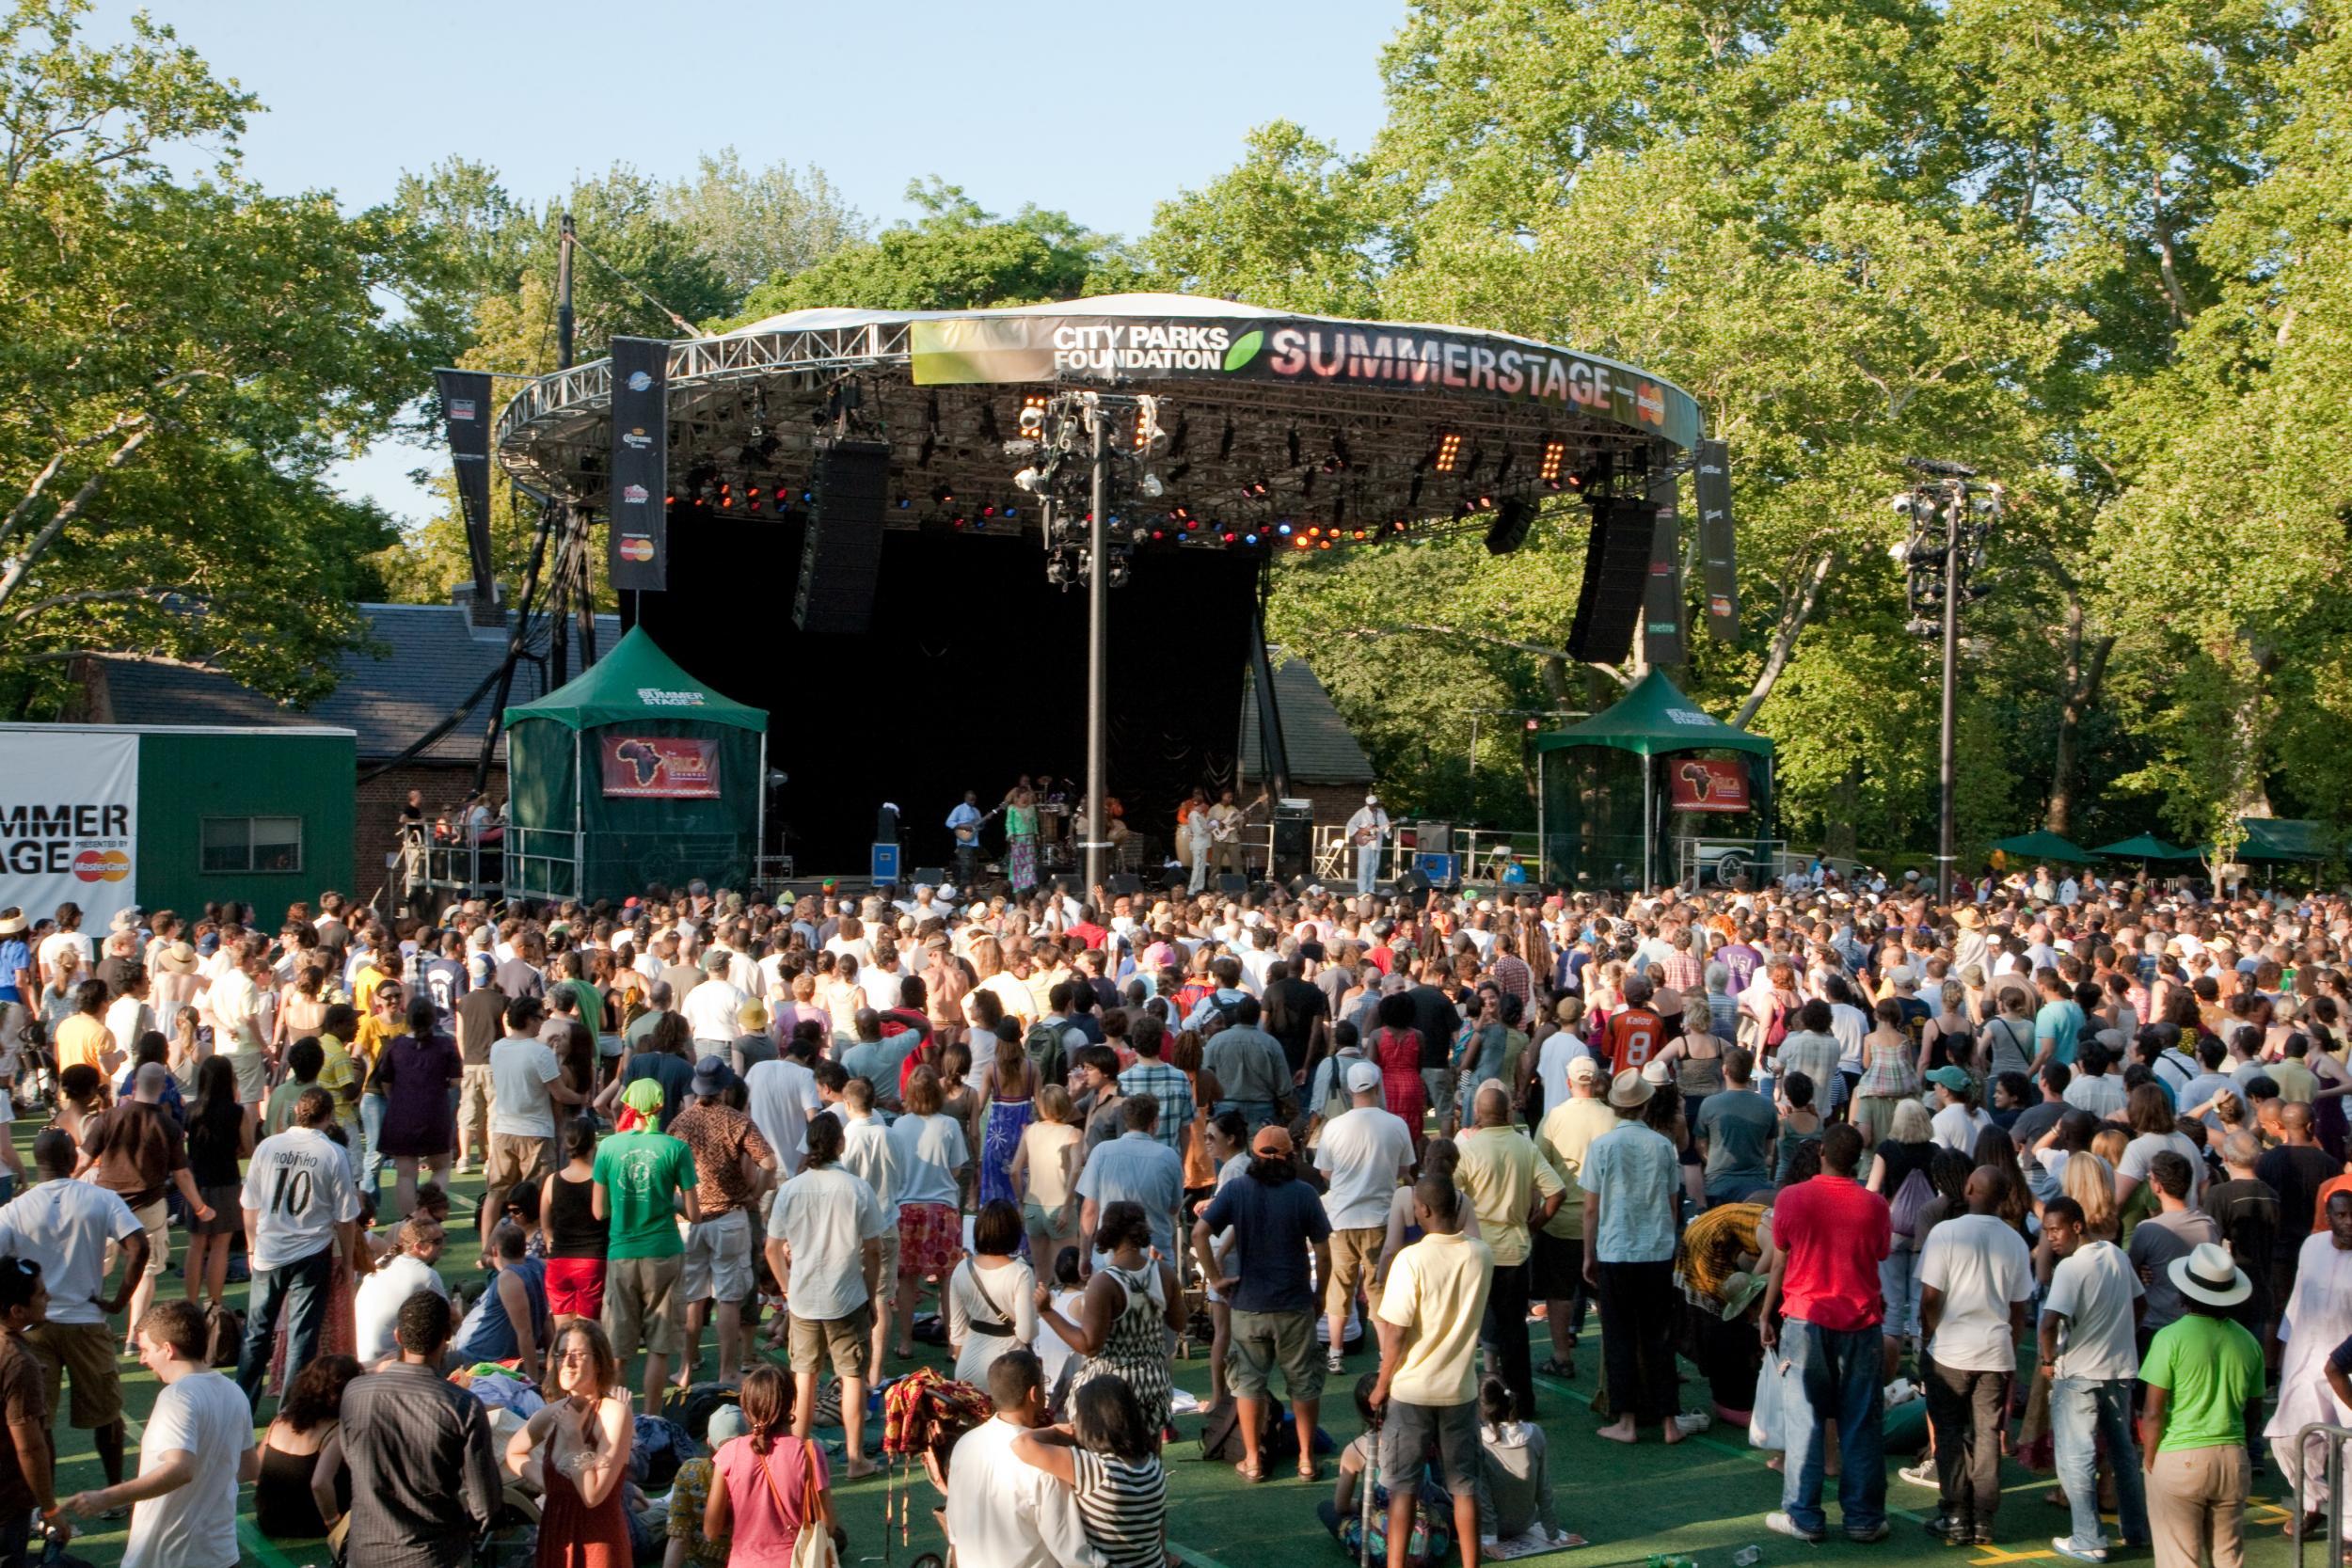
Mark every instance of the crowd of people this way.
pixel 2066 1161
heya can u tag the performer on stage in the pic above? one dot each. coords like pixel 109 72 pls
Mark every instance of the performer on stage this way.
pixel 1367 831
pixel 964 822
pixel 1192 837
pixel 1021 837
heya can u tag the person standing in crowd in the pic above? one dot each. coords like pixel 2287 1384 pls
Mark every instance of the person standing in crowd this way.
pixel 1363 1153
pixel 2088 1349
pixel 1734 1132
pixel 424 1480
pixel 1279 1228
pixel 301 1211
pixel 1131 1305
pixel 1135 1168
pixel 732 1164
pixel 1511 1188
pixel 137 1151
pixel 1829 1235
pixel 481 1024
pixel 1250 1065
pixel 197 1450
pixel 641 1181
pixel 1631 1180
pixel 417 1247
pixel 2172 1232
pixel 526 1086
pixel 575 1451
pixel 416 1075
pixel 28 1460
pixel 2199 1371
pixel 2318 1321
pixel 1001 1511
pixel 1975 1279
pixel 1426 1394
pixel 824 1247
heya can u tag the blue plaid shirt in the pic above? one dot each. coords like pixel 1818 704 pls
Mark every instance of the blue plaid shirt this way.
pixel 1171 1088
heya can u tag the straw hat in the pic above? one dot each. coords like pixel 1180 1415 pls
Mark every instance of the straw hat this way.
pixel 1739 1292
pixel 2209 1275
pixel 11 921
pixel 1966 917
pixel 1630 1088
pixel 178 959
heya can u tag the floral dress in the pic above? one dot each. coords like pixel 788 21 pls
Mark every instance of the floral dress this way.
pixel 1020 846
pixel 1000 1137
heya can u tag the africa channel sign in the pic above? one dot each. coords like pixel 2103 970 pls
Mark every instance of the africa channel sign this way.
pixel 1299 350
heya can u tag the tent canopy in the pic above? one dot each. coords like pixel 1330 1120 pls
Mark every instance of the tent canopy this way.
pixel 2283 838
pixel 635 683
pixel 1652 719
pixel 2041 844
pixel 2143 847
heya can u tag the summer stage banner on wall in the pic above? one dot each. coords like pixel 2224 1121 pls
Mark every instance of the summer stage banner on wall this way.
pixel 69 821
pixel 1033 348
pixel 1704 783
pixel 660 767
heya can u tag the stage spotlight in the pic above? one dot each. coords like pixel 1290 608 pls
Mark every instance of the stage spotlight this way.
pixel 942 495
pixel 1511 526
pixel 1300 543
pixel 1449 453
pixel 1282 527
pixel 1249 538
pixel 1030 480
pixel 1555 459
pixel 1150 487
pixel 726 495
pixel 1033 416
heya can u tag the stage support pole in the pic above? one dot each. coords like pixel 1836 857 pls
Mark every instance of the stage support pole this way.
pixel 1649 821
pixel 1098 659
pixel 1946 775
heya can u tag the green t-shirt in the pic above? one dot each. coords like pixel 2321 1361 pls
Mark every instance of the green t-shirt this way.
pixel 591 1005
pixel 2212 1367
pixel 642 1174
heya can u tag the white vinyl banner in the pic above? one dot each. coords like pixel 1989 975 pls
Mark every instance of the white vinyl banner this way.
pixel 69 820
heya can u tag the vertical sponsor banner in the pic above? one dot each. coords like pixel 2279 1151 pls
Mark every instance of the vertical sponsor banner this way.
pixel 69 821
pixel 1662 640
pixel 638 546
pixel 1711 487
pixel 465 416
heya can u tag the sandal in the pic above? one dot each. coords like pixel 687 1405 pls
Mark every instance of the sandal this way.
pixel 1554 1367
pixel 1310 1472
pixel 1253 1475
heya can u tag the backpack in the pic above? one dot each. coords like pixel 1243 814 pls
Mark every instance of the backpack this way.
pixel 1910 1198
pixel 1220 1430
pixel 659 1447
pixel 1042 1045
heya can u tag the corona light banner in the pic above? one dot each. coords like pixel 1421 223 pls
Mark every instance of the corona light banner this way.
pixel 69 822
pixel 1023 347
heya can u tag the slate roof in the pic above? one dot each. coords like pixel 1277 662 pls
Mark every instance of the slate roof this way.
pixel 431 661
pixel 1322 748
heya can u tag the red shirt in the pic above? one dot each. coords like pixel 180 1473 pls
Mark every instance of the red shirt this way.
pixel 1835 1232
pixel 1633 1036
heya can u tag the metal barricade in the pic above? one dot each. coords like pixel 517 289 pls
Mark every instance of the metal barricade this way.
pixel 2335 1437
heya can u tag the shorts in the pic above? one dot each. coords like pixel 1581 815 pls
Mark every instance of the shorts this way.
pixel 473 1103
pixel 1556 1271
pixel 155 1219
pixel 225 1201
pixel 844 1341
pixel 719 1259
pixel 87 1351
pixel 1409 1430
pixel 576 1287
pixel 643 1303
pixel 252 1070
pixel 1261 1341
pixel 930 1239
pixel 1354 1257
pixel 886 1278
pixel 515 1159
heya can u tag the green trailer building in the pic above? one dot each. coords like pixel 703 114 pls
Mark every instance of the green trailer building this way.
pixel 170 817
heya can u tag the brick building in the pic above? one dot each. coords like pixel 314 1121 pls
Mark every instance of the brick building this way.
pixel 1326 765
pixel 424 664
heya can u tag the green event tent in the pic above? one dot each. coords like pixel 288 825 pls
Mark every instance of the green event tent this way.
pixel 2041 844
pixel 1589 793
pixel 635 773
pixel 2143 847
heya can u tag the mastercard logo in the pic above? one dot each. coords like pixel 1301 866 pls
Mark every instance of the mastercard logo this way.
pixel 91 865
pixel 636 548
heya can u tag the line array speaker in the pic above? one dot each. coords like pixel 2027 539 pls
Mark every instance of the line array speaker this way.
pixel 1616 569
pixel 841 553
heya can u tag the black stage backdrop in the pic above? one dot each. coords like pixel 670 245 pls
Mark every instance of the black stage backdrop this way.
pixel 972 675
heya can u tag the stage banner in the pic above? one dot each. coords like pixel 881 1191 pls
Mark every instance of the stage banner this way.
pixel 465 416
pixel 1703 784
pixel 660 766
pixel 638 547
pixel 1711 485
pixel 1142 349
pixel 1662 608
pixel 69 819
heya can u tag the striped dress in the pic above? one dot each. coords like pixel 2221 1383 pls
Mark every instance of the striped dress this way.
pixel 1136 1347
pixel 1121 1503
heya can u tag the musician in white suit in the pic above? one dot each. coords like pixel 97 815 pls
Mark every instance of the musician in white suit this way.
pixel 1367 831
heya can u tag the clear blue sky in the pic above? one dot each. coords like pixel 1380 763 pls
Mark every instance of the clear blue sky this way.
pixel 1098 110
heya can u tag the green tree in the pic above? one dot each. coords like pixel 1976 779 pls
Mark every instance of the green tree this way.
pixel 1293 228
pixel 183 362
pixel 756 225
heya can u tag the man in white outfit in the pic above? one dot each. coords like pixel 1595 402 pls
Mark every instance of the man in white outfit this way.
pixel 1001 1511
pixel 1367 831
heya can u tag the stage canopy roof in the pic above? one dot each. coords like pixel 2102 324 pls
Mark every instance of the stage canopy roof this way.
pixel 1276 424
pixel 1652 719
pixel 636 682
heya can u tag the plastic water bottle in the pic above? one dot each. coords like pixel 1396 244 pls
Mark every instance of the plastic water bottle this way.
pixel 1747 1557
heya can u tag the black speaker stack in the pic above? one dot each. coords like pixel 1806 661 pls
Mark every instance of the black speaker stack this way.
pixel 1617 570
pixel 841 555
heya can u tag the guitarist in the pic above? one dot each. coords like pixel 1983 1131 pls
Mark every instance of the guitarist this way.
pixel 1366 831
pixel 965 823
pixel 1225 821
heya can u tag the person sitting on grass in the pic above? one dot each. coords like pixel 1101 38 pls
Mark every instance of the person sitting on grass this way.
pixel 1514 1481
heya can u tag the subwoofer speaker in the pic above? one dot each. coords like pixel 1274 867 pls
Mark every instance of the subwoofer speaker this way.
pixel 841 553
pixel 1617 570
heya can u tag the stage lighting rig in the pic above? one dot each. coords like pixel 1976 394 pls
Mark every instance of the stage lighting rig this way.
pixel 1950 518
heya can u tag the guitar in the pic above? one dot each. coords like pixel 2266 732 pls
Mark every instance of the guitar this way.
pixel 970 831
pixel 1226 830
pixel 1368 833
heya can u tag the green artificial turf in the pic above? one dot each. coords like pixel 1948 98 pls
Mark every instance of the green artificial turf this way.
pixel 1703 1499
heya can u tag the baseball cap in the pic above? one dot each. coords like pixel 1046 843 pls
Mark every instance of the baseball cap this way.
pixel 1583 1068
pixel 1362 1076
pixel 1951 1078
pixel 1272 1141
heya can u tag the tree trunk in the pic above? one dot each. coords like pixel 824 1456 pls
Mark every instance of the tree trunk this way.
pixel 2084 669
pixel 1792 621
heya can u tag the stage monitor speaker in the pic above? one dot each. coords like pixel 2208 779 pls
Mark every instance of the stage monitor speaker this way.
pixel 1434 838
pixel 1413 884
pixel 841 552
pixel 1232 884
pixel 930 876
pixel 1125 884
pixel 1617 570
pixel 1294 844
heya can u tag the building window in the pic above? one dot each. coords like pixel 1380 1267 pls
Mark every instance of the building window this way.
pixel 262 843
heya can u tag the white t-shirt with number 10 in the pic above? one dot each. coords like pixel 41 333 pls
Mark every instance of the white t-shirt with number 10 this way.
pixel 299 1185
